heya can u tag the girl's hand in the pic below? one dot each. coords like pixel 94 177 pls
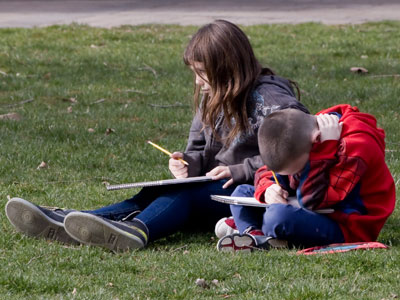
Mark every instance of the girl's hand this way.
pixel 177 168
pixel 221 172
pixel 275 194
pixel 329 127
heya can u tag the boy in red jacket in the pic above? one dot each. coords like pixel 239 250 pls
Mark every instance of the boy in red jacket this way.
pixel 334 160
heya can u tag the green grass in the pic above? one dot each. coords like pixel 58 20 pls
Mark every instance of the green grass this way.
pixel 131 69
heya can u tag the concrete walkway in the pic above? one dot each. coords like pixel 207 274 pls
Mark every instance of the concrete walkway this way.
pixel 110 13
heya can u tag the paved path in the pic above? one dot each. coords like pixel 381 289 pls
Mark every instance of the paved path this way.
pixel 109 13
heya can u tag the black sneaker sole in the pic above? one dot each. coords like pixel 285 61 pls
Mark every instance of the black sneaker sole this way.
pixel 93 230
pixel 28 219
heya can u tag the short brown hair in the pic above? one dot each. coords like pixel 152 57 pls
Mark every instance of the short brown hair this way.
pixel 284 136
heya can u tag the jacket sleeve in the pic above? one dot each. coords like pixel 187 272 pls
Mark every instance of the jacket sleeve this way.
pixel 332 175
pixel 244 172
pixel 262 180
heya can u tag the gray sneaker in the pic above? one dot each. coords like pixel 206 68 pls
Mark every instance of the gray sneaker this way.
pixel 116 236
pixel 38 222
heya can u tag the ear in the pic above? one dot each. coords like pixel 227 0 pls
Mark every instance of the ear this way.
pixel 316 136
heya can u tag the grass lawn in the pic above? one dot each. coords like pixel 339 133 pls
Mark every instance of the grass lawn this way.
pixel 69 85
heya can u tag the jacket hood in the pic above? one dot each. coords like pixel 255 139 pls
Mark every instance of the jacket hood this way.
pixel 355 121
pixel 276 80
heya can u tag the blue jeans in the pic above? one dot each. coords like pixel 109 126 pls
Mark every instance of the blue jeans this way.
pixel 299 226
pixel 166 210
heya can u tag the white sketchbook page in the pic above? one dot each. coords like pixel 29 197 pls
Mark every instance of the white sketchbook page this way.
pixel 251 201
pixel 158 183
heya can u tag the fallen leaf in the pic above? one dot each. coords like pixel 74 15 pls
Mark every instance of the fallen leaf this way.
pixel 93 46
pixel 11 116
pixel 74 291
pixel 69 109
pixel 72 100
pixel 109 131
pixel 99 101
pixel 237 275
pixel 110 284
pixel 215 282
pixel 43 165
pixel 358 70
pixel 202 283
pixel 47 75
pixel 91 130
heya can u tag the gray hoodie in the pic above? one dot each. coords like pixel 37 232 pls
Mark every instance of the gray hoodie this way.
pixel 204 151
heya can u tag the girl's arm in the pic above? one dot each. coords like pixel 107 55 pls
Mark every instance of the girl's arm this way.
pixel 244 172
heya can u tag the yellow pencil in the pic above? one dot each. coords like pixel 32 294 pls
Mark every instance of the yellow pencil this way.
pixel 166 152
pixel 276 179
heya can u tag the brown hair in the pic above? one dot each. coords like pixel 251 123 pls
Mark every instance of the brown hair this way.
pixel 231 68
pixel 284 136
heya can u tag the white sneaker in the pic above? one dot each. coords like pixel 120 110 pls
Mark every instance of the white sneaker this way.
pixel 225 226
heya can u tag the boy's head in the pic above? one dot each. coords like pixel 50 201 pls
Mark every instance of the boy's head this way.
pixel 285 139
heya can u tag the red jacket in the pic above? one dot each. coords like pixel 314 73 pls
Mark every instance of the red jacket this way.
pixel 349 175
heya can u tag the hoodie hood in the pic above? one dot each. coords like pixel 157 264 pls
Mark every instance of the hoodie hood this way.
pixel 355 122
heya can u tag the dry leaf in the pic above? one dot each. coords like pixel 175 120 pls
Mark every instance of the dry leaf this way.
pixel 43 165
pixel 237 275
pixel 72 100
pixel 96 46
pixel 358 70
pixel 215 282
pixel 47 75
pixel 69 109
pixel 99 101
pixel 109 131
pixel 110 284
pixel 91 130
pixel 74 291
pixel 202 283
pixel 11 116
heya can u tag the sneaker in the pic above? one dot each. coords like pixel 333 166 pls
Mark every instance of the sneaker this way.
pixel 247 242
pixel 116 236
pixel 37 221
pixel 225 226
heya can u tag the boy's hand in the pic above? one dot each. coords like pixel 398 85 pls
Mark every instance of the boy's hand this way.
pixel 177 168
pixel 221 172
pixel 329 127
pixel 275 194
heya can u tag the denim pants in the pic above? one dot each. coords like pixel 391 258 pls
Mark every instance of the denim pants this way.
pixel 299 226
pixel 165 210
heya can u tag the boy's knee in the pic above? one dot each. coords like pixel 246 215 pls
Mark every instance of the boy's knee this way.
pixel 243 190
pixel 278 219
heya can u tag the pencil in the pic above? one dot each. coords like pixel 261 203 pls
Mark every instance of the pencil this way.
pixel 276 179
pixel 166 151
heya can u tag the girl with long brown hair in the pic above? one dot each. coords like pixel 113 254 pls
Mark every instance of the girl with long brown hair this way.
pixel 233 94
